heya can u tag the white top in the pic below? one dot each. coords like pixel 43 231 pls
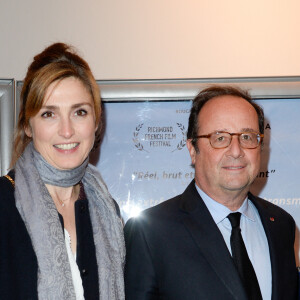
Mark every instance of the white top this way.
pixel 77 281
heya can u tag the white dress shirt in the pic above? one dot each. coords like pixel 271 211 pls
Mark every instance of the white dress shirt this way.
pixel 253 235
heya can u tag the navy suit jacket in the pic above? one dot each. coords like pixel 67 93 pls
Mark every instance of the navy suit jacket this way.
pixel 176 251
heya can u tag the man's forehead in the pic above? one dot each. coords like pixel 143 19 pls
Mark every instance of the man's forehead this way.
pixel 226 100
pixel 228 113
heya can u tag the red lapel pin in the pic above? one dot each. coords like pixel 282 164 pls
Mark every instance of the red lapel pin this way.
pixel 272 219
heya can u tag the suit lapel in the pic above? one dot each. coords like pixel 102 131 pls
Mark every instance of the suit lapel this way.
pixel 209 240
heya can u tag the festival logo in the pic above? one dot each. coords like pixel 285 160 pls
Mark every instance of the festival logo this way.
pixel 148 137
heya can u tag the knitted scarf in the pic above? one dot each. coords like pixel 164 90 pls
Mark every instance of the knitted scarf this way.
pixel 41 219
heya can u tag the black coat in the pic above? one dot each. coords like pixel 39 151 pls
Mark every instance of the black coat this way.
pixel 18 262
pixel 176 251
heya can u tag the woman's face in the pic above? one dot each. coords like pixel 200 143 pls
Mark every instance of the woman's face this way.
pixel 63 131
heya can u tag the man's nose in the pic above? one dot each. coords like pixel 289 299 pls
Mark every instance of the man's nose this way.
pixel 235 149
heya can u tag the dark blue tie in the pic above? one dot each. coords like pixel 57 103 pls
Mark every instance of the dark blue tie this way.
pixel 241 259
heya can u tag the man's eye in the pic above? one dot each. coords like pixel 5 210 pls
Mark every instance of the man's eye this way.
pixel 81 112
pixel 247 137
pixel 220 138
pixel 47 114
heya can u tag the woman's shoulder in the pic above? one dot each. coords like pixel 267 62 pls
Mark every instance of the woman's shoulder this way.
pixel 7 189
pixel 117 208
pixel 8 180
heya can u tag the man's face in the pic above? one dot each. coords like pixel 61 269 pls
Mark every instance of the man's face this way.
pixel 228 171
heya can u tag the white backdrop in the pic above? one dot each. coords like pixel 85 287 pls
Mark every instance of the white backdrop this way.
pixel 157 39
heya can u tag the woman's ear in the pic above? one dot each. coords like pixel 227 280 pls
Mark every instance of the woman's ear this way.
pixel 28 130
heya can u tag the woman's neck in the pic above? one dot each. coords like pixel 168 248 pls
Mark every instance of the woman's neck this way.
pixel 63 196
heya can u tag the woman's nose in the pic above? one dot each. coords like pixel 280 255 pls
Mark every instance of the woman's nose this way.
pixel 66 128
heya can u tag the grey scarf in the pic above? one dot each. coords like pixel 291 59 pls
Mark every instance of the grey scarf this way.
pixel 40 216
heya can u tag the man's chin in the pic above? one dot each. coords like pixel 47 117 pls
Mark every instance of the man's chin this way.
pixel 237 187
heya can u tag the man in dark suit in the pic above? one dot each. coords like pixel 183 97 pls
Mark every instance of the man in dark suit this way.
pixel 216 240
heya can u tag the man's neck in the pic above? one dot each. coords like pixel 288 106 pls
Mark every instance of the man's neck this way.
pixel 231 199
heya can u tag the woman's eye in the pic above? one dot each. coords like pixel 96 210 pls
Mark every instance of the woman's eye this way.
pixel 47 114
pixel 81 112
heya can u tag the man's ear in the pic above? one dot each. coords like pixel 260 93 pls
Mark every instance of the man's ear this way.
pixel 192 150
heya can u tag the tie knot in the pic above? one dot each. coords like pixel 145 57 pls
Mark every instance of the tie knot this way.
pixel 234 219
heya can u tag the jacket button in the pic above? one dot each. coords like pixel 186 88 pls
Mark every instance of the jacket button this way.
pixel 84 272
pixel 82 208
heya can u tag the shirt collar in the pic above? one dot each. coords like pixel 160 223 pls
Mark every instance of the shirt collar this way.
pixel 219 211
